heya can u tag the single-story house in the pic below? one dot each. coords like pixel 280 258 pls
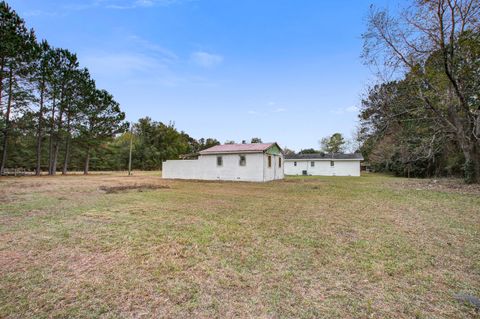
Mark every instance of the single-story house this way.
pixel 257 162
pixel 323 164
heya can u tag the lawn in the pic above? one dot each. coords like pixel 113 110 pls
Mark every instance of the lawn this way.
pixel 114 246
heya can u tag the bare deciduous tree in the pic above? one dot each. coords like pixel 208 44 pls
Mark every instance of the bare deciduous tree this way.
pixel 437 45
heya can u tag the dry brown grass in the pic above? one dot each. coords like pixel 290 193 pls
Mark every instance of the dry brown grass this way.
pixel 370 247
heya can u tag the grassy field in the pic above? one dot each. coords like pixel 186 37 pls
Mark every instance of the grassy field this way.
pixel 114 246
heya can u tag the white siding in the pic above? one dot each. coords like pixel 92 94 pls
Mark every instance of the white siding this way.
pixel 323 167
pixel 206 168
pixel 275 171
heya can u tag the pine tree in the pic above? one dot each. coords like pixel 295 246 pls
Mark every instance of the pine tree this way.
pixel 16 52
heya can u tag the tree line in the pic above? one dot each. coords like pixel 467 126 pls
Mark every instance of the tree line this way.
pixel 54 118
pixel 51 109
pixel 423 117
pixel 152 143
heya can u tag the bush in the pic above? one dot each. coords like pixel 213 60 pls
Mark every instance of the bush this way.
pixel 469 172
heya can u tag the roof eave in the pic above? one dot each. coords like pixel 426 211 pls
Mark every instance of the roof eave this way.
pixel 324 159
pixel 230 152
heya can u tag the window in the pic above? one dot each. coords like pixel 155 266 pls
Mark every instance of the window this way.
pixel 243 160
pixel 279 162
pixel 312 164
pixel 294 163
pixel 332 163
pixel 269 161
pixel 219 161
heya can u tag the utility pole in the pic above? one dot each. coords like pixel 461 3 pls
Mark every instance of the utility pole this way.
pixel 130 154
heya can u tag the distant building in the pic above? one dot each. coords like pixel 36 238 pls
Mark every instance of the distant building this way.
pixel 323 164
pixel 257 162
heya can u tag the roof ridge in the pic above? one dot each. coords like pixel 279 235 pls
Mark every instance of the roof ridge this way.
pixel 326 156
pixel 233 148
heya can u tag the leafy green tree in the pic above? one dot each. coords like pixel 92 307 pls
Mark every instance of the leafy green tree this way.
pixel 16 48
pixel 66 78
pixel 309 151
pixel 206 143
pixel 39 78
pixel 102 120
pixel 333 144
pixel 78 99
pixel 256 140
pixel 400 136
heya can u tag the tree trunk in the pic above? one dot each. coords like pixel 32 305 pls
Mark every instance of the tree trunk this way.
pixel 2 67
pixel 55 158
pixel 7 124
pixel 87 162
pixel 67 147
pixel 56 144
pixel 477 164
pixel 39 130
pixel 52 130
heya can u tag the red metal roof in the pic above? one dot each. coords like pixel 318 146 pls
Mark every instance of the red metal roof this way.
pixel 238 148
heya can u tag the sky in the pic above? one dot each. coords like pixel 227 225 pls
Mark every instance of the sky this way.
pixel 287 71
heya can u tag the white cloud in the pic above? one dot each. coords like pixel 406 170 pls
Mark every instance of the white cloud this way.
pixel 37 13
pixel 121 64
pixel 141 61
pixel 132 4
pixel 349 109
pixel 108 4
pixel 352 109
pixel 265 113
pixel 162 53
pixel 141 69
pixel 205 59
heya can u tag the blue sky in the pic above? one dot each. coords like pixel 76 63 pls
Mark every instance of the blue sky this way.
pixel 283 70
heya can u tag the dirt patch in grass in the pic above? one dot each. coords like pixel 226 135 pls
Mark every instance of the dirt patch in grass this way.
pixel 87 265
pixel 137 187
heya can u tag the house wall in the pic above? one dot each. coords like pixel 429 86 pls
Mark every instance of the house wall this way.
pixel 275 171
pixel 206 168
pixel 323 168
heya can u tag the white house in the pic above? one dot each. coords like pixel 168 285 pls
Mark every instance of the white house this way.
pixel 258 162
pixel 323 164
